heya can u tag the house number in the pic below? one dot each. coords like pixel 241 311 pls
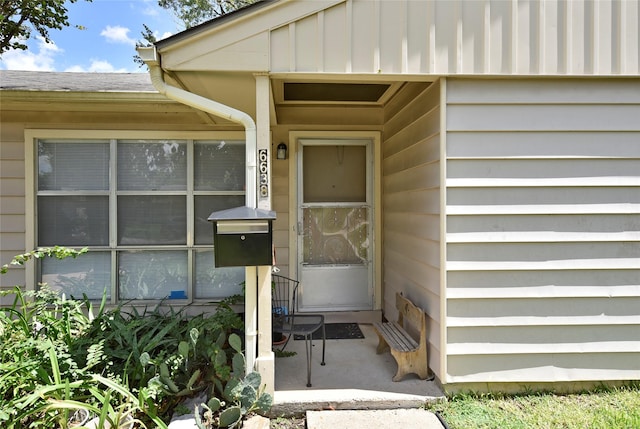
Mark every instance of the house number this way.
pixel 263 168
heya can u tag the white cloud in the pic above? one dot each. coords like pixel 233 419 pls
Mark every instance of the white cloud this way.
pixel 97 66
pixel 117 34
pixel 40 59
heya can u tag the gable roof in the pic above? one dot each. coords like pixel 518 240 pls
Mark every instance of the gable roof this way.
pixel 14 80
pixel 220 20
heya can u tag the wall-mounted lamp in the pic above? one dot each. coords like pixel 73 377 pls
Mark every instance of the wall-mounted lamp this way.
pixel 282 151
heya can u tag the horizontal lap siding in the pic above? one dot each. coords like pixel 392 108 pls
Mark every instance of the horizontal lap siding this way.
pixel 12 201
pixel 411 206
pixel 17 115
pixel 282 224
pixel 543 231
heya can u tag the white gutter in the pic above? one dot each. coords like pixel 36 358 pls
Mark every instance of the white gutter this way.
pixel 150 56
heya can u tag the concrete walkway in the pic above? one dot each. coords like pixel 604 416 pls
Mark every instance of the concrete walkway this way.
pixel 373 419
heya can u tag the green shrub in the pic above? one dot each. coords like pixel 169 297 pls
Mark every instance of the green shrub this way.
pixel 58 357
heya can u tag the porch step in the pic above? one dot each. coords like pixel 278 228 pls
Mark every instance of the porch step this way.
pixel 295 402
pixel 367 317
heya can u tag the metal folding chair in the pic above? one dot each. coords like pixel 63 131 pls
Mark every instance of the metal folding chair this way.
pixel 287 321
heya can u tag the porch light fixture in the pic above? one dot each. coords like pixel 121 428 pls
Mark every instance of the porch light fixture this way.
pixel 282 151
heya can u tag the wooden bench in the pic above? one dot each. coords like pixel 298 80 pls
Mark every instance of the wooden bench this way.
pixel 411 355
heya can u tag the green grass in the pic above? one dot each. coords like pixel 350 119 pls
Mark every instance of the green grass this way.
pixel 615 408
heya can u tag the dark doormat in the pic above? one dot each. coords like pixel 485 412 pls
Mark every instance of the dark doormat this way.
pixel 336 331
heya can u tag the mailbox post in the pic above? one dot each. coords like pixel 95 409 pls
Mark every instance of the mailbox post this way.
pixel 242 237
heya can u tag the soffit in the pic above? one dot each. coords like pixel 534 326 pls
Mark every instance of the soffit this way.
pixel 237 90
pixel 299 99
pixel 218 62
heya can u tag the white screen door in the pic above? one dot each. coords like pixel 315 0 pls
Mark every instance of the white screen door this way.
pixel 335 246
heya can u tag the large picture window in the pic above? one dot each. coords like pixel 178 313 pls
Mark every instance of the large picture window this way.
pixel 141 206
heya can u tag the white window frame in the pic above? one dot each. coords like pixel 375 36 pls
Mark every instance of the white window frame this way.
pixel 32 136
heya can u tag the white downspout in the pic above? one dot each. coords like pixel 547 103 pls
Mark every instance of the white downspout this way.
pixel 150 56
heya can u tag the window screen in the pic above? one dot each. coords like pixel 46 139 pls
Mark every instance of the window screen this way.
pixel 143 215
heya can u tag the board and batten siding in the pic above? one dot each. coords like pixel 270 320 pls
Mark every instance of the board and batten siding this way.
pixel 543 230
pixel 461 37
pixel 411 205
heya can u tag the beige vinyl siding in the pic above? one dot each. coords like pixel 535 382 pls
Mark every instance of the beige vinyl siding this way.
pixel 282 226
pixel 12 201
pixel 411 205
pixel 543 230
pixel 52 111
pixel 483 37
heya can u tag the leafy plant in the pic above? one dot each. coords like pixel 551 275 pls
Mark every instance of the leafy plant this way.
pixel 40 333
pixel 123 365
pixel 20 19
pixel 243 393
pixel 245 396
pixel 58 252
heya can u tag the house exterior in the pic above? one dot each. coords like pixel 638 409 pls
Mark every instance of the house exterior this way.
pixel 481 157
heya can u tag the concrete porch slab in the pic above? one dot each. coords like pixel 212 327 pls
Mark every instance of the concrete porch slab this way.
pixel 354 378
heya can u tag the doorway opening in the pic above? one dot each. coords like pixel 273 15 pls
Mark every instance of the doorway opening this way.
pixel 335 228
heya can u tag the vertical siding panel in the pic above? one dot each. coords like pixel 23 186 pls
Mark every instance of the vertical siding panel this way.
pixel 376 37
pixel 279 40
pixel 543 228
pixel 392 34
pixel 602 37
pixel 365 36
pixel 591 43
pixel 472 44
pixel 305 58
pixel 320 42
pixel 549 39
pixel 448 37
pixel 405 40
pixel 561 30
pixel 575 63
pixel 523 45
pixel 486 30
pixel 418 27
pixel 500 37
pixel 293 46
pixel 629 27
pixel 348 30
pixel 445 55
pixel 335 39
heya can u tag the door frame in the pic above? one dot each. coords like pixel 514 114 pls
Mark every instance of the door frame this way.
pixel 376 216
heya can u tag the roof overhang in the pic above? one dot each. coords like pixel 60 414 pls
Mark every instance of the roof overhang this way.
pixel 219 60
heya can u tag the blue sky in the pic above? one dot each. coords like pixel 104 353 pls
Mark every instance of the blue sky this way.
pixel 106 45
